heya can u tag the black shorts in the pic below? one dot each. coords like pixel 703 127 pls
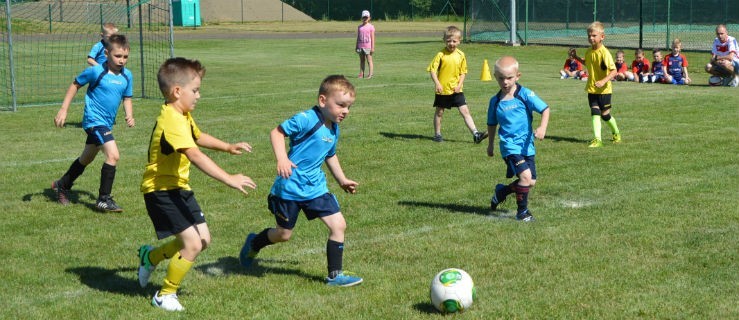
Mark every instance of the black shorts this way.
pixel 448 101
pixel 173 211
pixel 286 211
pixel 99 135
pixel 517 163
pixel 602 101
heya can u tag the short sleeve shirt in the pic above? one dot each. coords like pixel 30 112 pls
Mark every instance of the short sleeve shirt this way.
pixel 640 66
pixel 449 66
pixel 514 116
pixel 722 49
pixel 675 64
pixel 98 53
pixel 307 152
pixel 105 92
pixel 168 168
pixel 364 36
pixel 599 63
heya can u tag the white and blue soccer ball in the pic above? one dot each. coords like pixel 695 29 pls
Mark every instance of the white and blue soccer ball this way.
pixel 452 290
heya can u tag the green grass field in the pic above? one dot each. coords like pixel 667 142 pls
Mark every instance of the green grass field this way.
pixel 646 229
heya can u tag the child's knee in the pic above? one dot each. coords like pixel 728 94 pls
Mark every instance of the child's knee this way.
pixel 282 235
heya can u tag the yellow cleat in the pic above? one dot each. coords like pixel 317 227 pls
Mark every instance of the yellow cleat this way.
pixel 616 138
pixel 596 143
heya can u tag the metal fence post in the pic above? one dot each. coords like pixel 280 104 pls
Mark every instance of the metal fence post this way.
pixel 10 56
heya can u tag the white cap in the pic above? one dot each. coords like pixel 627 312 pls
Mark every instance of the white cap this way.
pixel 365 13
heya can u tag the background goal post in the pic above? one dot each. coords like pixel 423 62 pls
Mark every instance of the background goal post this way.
pixel 45 45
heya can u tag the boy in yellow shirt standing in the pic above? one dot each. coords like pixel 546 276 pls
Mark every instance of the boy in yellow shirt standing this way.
pixel 602 70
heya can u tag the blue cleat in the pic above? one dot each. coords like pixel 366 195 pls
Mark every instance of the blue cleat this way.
pixel 343 280
pixel 525 216
pixel 247 254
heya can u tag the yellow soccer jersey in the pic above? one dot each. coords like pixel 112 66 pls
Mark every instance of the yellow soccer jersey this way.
pixel 169 169
pixel 449 66
pixel 599 63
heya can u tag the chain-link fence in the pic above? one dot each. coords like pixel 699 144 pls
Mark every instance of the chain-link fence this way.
pixel 629 23
pixel 45 45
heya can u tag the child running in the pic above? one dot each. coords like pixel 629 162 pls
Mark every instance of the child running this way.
pixel 170 201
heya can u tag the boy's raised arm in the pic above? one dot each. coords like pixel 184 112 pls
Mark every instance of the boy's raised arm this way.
pixel 208 166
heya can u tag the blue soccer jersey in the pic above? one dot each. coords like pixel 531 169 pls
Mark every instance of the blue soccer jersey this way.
pixel 105 92
pixel 514 117
pixel 98 53
pixel 308 150
pixel 657 68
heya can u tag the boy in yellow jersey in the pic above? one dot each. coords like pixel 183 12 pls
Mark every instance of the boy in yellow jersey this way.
pixel 170 202
pixel 602 70
pixel 448 70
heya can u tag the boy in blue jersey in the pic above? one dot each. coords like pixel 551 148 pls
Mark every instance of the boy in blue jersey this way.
pixel 109 84
pixel 301 184
pixel 512 109
pixel 676 65
pixel 658 74
pixel 97 53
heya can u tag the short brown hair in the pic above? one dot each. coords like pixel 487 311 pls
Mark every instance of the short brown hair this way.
pixel 118 40
pixel 335 83
pixel 452 31
pixel 178 72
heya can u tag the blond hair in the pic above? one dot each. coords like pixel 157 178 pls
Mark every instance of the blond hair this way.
pixel 452 31
pixel 506 63
pixel 108 29
pixel 597 27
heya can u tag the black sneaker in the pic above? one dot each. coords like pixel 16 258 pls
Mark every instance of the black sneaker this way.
pixel 525 216
pixel 61 194
pixel 479 136
pixel 438 138
pixel 106 204
pixel 498 197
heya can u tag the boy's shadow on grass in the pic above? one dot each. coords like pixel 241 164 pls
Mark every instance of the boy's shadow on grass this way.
pixel 565 139
pixel 108 280
pixel 460 208
pixel 73 124
pixel 260 267
pixel 74 196
pixel 404 136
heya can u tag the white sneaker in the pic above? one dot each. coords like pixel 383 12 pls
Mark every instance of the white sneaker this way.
pixel 734 82
pixel 167 302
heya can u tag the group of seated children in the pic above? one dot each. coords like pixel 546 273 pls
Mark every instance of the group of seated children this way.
pixel 670 69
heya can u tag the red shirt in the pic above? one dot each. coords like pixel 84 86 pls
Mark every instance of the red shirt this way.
pixel 640 66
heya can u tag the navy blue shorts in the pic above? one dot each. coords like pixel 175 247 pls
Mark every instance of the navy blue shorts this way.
pixel 99 135
pixel 173 211
pixel 448 101
pixel 517 163
pixel 286 211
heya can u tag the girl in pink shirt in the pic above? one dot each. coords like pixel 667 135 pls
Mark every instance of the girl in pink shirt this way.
pixel 365 44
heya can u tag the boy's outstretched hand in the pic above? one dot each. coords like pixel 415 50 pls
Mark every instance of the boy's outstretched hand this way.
pixel 241 182
pixel 239 148
pixel 349 186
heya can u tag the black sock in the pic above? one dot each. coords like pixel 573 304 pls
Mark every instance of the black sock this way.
pixel 75 170
pixel 261 240
pixel 334 257
pixel 107 176
pixel 522 198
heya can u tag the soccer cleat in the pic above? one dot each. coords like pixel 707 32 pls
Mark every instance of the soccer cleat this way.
pixel 106 204
pixel 595 143
pixel 167 302
pixel 145 266
pixel 498 197
pixel 438 138
pixel 247 254
pixel 479 136
pixel 343 280
pixel 525 216
pixel 61 193
pixel 616 138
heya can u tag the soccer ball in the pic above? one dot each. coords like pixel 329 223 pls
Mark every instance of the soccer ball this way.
pixel 452 290
pixel 715 81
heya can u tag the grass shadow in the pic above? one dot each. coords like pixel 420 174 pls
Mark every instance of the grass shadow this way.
pixel 74 196
pixel 108 280
pixel 566 139
pixel 460 208
pixel 425 307
pixel 231 266
pixel 411 136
